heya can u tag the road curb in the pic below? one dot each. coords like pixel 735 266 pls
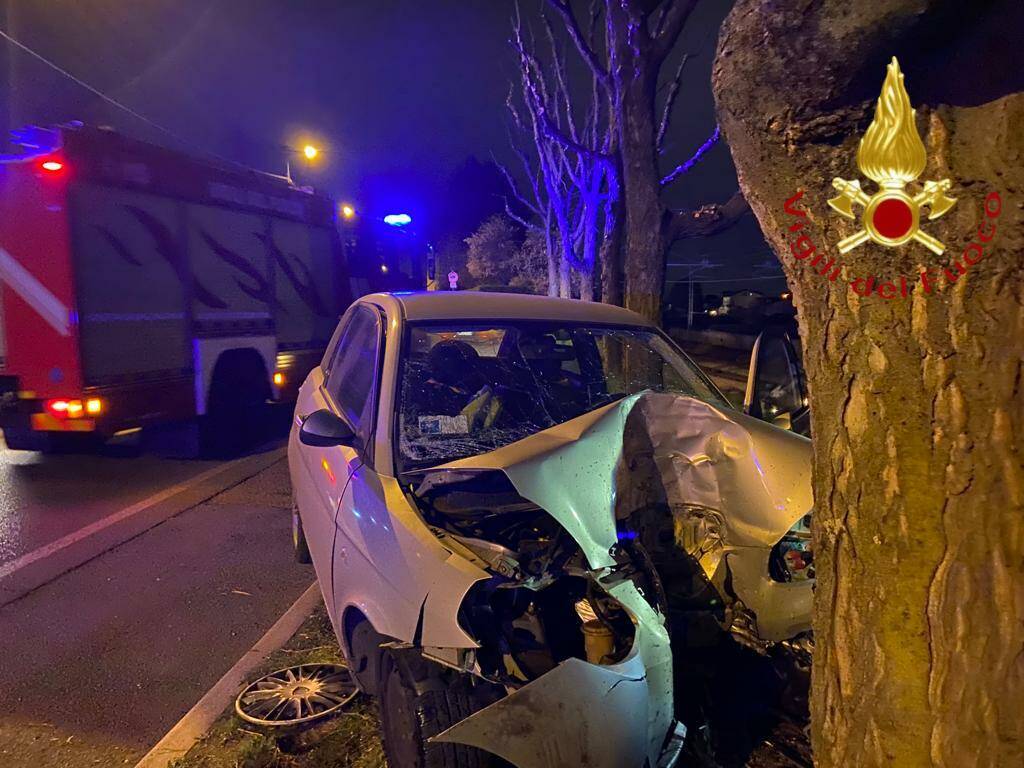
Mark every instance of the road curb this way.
pixel 43 565
pixel 198 720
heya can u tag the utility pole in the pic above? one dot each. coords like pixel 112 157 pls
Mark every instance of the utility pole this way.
pixel 694 269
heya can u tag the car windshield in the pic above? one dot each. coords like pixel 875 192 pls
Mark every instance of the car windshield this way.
pixel 469 388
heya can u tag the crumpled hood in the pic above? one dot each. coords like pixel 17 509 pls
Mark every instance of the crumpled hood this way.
pixel 757 474
pixel 582 474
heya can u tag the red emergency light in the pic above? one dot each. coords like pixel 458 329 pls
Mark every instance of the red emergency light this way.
pixel 52 166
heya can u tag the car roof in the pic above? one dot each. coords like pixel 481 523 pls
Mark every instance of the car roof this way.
pixel 485 305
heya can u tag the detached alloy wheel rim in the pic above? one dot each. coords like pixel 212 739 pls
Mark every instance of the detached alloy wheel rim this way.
pixel 296 697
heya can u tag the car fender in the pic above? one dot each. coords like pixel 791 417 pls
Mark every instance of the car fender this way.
pixel 412 586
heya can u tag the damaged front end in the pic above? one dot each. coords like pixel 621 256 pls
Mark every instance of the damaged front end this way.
pixel 615 542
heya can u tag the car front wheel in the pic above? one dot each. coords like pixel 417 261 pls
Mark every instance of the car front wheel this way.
pixel 419 700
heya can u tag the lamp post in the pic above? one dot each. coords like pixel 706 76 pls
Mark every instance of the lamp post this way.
pixel 309 152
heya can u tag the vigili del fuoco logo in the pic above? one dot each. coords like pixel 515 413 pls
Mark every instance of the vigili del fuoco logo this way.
pixel 893 156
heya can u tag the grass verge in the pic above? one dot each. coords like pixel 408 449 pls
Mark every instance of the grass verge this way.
pixel 350 740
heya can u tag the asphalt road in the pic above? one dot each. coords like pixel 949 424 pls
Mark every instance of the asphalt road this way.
pixel 98 664
pixel 43 498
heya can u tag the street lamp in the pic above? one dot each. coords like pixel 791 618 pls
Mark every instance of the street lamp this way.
pixel 307 152
pixel 347 211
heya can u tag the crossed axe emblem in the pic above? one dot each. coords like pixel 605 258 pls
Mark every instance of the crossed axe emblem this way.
pixel 891 216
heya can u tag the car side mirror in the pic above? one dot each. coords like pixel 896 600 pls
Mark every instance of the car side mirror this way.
pixel 323 429
pixel 784 420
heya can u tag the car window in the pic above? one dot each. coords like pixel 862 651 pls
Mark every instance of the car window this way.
pixel 353 373
pixel 332 346
pixel 468 388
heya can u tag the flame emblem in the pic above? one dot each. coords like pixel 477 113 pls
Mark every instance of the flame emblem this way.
pixel 892 155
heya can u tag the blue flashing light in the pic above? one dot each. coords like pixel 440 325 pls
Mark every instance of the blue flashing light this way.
pixel 398 219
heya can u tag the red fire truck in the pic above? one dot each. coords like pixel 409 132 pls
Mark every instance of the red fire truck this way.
pixel 139 286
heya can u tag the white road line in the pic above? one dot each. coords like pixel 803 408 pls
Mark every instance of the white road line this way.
pixel 83 533
pixel 198 720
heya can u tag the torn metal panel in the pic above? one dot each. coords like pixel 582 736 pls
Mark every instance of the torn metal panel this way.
pixel 756 475
pixel 734 487
pixel 569 471
pixel 578 714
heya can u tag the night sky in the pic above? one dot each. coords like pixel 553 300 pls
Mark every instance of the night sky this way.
pixel 398 92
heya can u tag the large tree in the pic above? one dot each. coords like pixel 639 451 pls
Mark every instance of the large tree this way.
pixel 566 148
pixel 601 168
pixel 917 400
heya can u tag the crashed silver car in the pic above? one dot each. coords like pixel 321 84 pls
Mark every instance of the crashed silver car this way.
pixel 528 516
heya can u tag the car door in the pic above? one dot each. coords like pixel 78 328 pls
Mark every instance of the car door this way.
pixel 345 387
pixel 776 391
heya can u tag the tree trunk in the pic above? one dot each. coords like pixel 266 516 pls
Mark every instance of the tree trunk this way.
pixel 564 277
pixel 643 210
pixel 552 254
pixel 586 283
pixel 610 262
pixel 917 401
pixel 609 259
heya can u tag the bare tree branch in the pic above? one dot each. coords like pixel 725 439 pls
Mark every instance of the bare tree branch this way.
pixel 671 26
pixel 564 9
pixel 659 23
pixel 552 132
pixel 670 100
pixel 685 166
pixel 708 219
pixel 514 189
pixel 563 102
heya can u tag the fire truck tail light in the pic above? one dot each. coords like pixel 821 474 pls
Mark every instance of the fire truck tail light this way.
pixel 73 409
pixel 58 408
pixel 53 166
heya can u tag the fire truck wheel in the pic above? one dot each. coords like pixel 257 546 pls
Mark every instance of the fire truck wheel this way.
pixel 237 413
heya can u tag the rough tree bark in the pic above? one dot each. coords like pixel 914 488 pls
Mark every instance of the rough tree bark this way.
pixel 917 401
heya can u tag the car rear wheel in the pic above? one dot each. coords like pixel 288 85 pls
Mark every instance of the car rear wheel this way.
pixel 419 700
pixel 299 545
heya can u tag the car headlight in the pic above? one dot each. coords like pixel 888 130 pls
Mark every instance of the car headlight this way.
pixel 792 558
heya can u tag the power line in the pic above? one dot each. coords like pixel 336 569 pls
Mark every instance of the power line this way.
pixel 732 279
pixel 109 99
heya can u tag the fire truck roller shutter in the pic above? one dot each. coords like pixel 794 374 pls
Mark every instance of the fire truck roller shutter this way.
pixel 128 261
pixel 305 269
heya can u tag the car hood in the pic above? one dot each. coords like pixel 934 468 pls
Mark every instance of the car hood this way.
pixel 590 474
pixel 580 472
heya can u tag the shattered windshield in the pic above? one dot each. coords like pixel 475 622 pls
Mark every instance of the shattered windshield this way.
pixel 469 388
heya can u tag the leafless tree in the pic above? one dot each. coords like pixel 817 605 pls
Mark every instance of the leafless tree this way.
pixel 625 44
pixel 568 160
